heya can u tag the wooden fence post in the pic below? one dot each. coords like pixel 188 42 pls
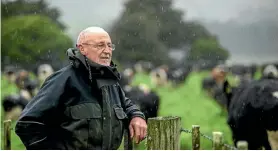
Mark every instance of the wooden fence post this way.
pixel 7 134
pixel 217 140
pixel 195 137
pixel 242 145
pixel 164 133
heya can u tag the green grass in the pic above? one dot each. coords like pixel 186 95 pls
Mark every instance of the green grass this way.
pixel 193 106
pixel 187 101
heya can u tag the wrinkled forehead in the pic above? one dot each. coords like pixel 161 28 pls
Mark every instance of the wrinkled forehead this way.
pixel 97 37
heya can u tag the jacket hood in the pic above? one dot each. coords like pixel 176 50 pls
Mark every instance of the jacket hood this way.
pixel 95 70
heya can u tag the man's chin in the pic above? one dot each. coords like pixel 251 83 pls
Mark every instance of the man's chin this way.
pixel 105 63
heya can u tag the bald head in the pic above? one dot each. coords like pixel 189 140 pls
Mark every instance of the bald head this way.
pixel 95 43
pixel 90 30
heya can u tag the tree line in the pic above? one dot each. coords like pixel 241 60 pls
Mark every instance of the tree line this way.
pixel 146 30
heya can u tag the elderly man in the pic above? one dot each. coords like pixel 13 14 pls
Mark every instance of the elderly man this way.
pixel 82 105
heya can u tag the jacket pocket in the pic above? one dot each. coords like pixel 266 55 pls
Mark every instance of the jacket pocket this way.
pixel 118 126
pixel 84 124
pixel 85 111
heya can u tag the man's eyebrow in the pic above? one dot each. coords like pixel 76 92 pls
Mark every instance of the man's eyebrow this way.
pixel 102 42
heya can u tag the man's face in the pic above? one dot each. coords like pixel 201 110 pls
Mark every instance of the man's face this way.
pixel 97 47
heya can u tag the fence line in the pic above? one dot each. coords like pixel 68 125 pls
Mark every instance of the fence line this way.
pixel 163 134
pixel 203 135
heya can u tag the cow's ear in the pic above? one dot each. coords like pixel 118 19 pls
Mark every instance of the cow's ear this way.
pixel 227 89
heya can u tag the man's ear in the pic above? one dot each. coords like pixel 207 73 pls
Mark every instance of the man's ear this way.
pixel 82 51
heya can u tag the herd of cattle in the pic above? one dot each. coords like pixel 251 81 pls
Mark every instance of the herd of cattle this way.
pixel 251 104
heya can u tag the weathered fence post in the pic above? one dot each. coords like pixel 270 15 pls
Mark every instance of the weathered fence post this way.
pixel 195 137
pixel 242 145
pixel 217 140
pixel 164 133
pixel 7 134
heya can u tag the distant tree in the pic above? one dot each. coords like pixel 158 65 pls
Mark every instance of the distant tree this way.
pixel 30 7
pixel 208 49
pixel 174 32
pixel 32 38
pixel 136 39
pixel 148 29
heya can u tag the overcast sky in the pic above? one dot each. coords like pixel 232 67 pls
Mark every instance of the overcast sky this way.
pixel 79 14
pixel 103 12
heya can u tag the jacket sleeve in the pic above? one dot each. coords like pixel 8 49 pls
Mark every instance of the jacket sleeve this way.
pixel 131 109
pixel 33 124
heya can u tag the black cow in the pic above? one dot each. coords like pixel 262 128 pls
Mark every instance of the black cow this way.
pixel 147 101
pixel 178 75
pixel 13 105
pixel 208 83
pixel 143 66
pixel 159 76
pixel 244 73
pixel 127 76
pixel 10 73
pixel 253 110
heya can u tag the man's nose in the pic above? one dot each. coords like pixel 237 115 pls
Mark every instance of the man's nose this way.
pixel 107 50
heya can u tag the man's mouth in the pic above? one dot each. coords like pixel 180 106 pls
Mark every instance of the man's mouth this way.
pixel 105 58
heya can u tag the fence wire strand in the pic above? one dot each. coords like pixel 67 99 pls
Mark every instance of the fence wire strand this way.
pixel 209 138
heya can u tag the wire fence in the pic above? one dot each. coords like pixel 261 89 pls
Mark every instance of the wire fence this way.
pixel 208 138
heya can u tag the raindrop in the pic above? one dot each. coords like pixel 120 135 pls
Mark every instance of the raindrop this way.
pixel 6 8
pixel 162 8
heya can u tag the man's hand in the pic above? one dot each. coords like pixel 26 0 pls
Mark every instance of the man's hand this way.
pixel 138 129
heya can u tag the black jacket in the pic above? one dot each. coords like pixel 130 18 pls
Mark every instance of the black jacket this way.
pixel 80 106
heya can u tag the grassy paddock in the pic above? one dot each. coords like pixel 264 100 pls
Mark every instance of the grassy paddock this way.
pixel 193 106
